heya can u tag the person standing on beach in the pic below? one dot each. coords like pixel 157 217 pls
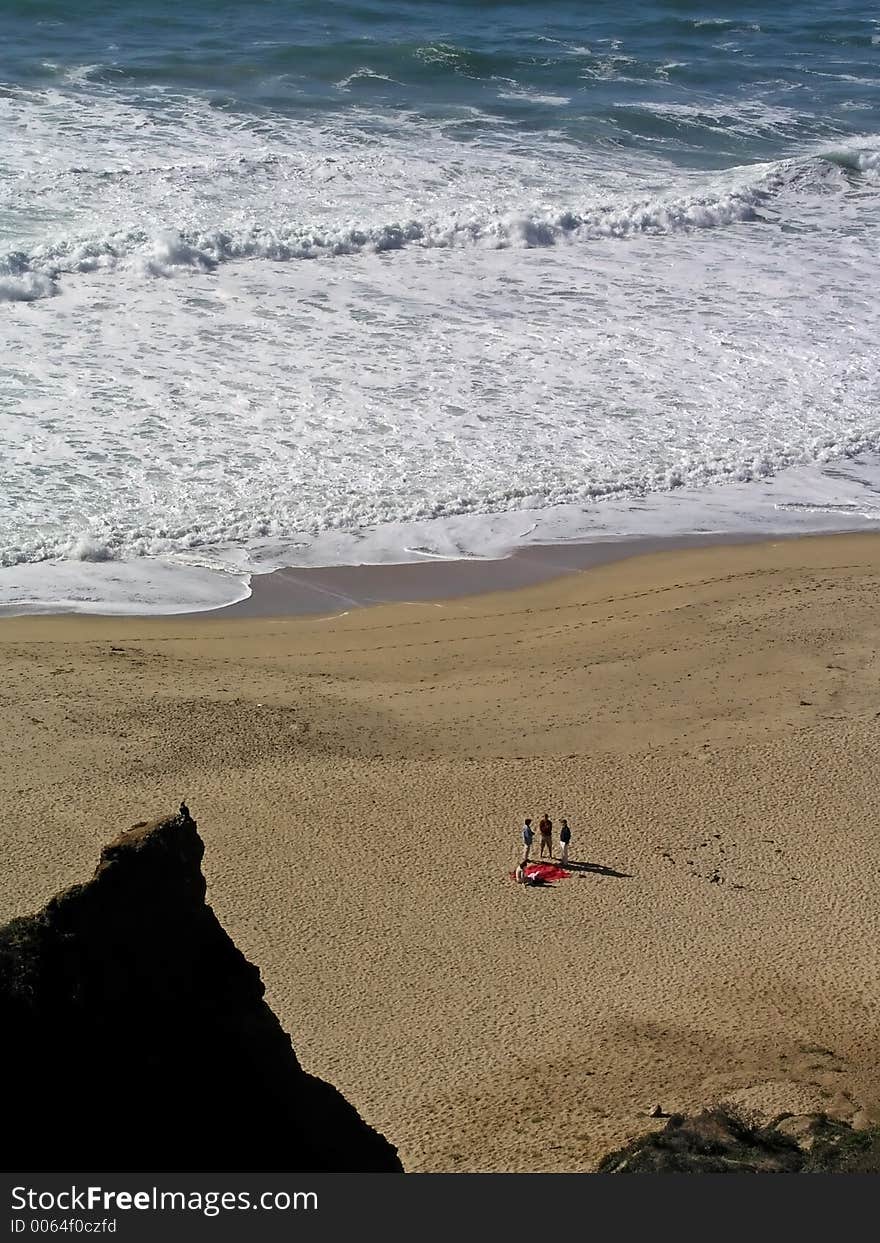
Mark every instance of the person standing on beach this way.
pixel 564 839
pixel 545 828
pixel 528 837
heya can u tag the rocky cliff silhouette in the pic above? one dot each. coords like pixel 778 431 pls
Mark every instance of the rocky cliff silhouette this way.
pixel 135 1035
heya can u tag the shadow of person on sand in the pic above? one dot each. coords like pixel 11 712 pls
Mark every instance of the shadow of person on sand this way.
pixel 597 869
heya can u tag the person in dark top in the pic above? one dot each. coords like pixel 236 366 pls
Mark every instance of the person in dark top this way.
pixel 564 839
pixel 545 828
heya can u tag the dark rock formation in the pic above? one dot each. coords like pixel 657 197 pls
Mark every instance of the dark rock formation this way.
pixel 717 1141
pixel 135 1036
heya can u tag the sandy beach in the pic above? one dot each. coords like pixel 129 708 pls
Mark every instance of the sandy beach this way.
pixel 708 721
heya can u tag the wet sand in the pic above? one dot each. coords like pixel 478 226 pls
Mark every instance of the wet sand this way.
pixel 335 588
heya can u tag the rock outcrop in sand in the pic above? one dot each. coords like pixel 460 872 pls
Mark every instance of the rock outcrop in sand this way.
pixel 135 1034
pixel 720 1141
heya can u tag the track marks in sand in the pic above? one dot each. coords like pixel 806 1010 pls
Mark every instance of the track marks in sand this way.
pixel 757 867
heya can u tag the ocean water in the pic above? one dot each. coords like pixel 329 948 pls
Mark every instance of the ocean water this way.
pixel 305 283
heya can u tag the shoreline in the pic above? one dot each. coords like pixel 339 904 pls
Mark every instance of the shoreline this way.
pixel 335 589
pixel 447 557
pixel 310 590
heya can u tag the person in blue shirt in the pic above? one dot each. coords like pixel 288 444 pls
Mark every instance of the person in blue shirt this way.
pixel 528 837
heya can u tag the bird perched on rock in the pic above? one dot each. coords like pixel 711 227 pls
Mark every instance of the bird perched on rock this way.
pixel 183 812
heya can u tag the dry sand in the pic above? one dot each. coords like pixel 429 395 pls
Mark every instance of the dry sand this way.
pixel 360 781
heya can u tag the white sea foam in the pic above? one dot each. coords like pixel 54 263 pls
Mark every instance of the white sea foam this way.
pixel 798 501
pixel 364 74
pixel 26 287
pixel 749 118
pixel 500 338
pixel 140 586
pixel 521 94
pixel 28 275
pixel 87 548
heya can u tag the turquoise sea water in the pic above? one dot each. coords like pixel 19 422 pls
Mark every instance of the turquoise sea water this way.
pixel 705 86
pixel 567 257
pixel 598 73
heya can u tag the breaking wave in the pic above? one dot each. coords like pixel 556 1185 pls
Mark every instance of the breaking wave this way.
pixel 34 274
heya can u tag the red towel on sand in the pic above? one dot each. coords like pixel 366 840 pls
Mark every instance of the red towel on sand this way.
pixel 543 871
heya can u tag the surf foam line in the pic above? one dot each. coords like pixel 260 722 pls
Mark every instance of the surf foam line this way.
pixel 203 543
pixel 30 275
